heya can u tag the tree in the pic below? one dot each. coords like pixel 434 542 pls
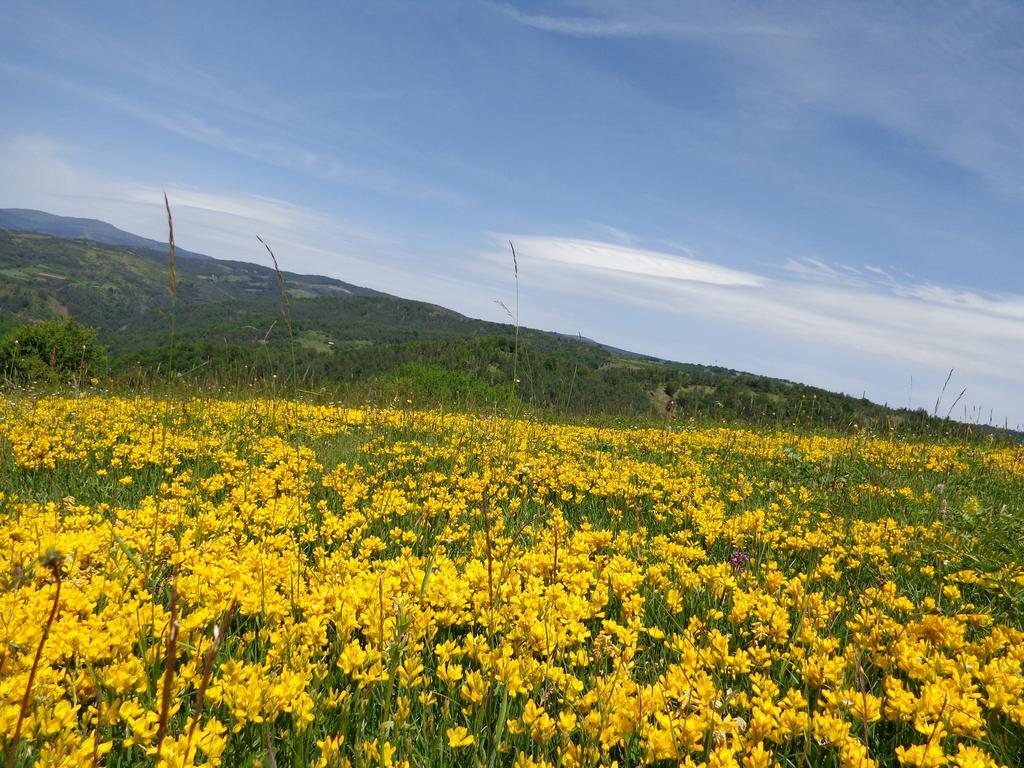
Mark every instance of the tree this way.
pixel 53 350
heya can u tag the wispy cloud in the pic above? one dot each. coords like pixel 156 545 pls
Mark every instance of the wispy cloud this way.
pixel 204 130
pixel 814 269
pixel 614 258
pixel 945 75
pixel 640 21
pixel 818 303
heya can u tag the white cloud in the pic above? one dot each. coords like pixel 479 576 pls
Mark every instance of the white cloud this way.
pixel 814 269
pixel 641 22
pixel 924 325
pixel 591 254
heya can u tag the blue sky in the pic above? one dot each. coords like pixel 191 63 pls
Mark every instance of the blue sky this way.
pixel 830 193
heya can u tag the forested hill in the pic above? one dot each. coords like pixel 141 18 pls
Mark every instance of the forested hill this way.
pixel 230 328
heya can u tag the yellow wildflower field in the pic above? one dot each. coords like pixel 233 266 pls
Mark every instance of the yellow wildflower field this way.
pixel 264 582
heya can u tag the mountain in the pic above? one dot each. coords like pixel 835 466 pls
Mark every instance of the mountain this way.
pixel 117 289
pixel 229 325
pixel 40 222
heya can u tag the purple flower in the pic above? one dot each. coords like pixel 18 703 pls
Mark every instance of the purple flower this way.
pixel 738 560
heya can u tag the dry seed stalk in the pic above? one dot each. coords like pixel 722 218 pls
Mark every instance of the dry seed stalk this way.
pixel 172 278
pixel 515 356
pixel 864 696
pixel 52 560
pixel 285 310
pixel 211 655
pixel 172 648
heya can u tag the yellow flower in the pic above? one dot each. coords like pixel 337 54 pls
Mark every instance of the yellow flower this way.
pixel 757 757
pixel 459 737
pixel 929 755
pixel 449 673
pixel 972 757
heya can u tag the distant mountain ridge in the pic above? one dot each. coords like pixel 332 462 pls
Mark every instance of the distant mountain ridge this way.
pixel 230 326
pixel 117 288
pixel 41 222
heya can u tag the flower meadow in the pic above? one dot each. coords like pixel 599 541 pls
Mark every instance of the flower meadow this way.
pixel 263 582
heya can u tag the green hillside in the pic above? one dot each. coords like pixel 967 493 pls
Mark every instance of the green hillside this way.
pixel 359 343
pixel 115 288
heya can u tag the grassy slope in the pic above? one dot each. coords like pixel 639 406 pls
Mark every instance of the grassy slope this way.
pixel 229 328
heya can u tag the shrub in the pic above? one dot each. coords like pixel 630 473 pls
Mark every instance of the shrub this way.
pixel 53 350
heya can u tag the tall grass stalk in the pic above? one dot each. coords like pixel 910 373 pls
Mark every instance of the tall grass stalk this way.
pixel 938 400
pixel 54 561
pixel 285 309
pixel 219 633
pixel 172 279
pixel 169 660
pixel 515 353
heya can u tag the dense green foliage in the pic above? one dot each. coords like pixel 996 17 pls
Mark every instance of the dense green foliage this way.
pixel 52 350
